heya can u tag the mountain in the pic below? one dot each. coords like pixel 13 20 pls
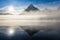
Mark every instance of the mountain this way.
pixel 5 14
pixel 58 8
pixel 31 8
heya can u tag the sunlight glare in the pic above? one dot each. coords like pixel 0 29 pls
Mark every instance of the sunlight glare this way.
pixel 11 32
pixel 11 9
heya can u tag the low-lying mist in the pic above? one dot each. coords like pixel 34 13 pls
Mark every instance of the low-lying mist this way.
pixel 42 19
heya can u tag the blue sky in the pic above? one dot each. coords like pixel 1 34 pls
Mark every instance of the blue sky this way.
pixel 25 3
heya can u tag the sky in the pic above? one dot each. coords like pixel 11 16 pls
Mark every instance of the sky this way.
pixel 24 3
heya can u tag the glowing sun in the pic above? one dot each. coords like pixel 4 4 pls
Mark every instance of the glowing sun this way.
pixel 11 9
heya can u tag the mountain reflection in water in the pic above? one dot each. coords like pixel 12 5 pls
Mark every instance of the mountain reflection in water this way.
pixel 29 27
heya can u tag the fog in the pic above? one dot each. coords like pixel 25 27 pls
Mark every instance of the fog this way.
pixel 32 20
